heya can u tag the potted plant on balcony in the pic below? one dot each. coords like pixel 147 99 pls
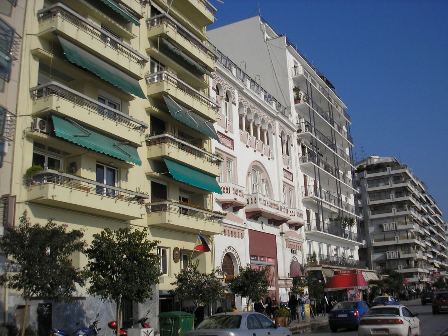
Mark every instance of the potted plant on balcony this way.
pixel 30 172
pixel 281 316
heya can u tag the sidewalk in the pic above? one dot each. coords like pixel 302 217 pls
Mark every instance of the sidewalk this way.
pixel 300 327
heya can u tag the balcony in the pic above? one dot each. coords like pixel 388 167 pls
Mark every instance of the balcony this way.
pixel 162 25
pixel 164 83
pixel 60 99
pixel 183 217
pixel 257 145
pixel 332 232
pixel 76 193
pixel 324 260
pixel 232 196
pixel 259 205
pixel 167 145
pixel 67 23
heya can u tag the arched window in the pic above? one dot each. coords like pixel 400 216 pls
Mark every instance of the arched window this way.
pixel 226 108
pixel 258 180
pixel 228 267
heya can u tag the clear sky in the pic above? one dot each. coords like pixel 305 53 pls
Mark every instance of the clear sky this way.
pixel 388 60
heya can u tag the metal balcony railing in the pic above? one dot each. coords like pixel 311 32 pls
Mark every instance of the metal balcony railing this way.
pixel 182 31
pixel 85 185
pixel 333 229
pixel 155 140
pixel 61 91
pixel 341 261
pixel 184 210
pixel 110 41
pixel 161 76
pixel 228 188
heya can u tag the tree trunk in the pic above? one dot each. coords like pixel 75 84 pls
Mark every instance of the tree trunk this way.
pixel 24 318
pixel 118 317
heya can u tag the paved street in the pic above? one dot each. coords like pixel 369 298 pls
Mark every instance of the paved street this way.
pixel 431 325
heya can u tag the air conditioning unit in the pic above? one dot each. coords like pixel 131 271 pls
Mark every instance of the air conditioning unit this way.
pixel 40 125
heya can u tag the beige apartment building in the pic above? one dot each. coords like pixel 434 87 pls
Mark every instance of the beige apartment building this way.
pixel 114 128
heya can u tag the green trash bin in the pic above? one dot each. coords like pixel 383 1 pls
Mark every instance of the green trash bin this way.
pixel 175 323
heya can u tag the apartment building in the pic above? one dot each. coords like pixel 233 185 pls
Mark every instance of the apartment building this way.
pixel 263 223
pixel 319 146
pixel 402 223
pixel 114 129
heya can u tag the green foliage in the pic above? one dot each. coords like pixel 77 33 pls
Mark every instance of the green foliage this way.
pixel 33 170
pixel 345 222
pixel 315 285
pixel 282 312
pixel 42 256
pixel 122 265
pixel 440 283
pixel 392 283
pixel 298 285
pixel 201 288
pixel 250 283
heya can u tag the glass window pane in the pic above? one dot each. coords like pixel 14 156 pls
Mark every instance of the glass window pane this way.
pixel 99 178
pixel 253 322
pixel 53 163
pixel 38 160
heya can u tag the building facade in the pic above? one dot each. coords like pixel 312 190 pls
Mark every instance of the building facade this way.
pixel 263 223
pixel 402 223
pixel 318 145
pixel 113 114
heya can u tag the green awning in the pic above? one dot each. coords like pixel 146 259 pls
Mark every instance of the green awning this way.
pixel 189 118
pixel 100 68
pixel 192 177
pixel 174 52
pixel 121 11
pixel 70 130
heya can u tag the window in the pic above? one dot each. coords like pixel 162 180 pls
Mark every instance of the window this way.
pixel 6 42
pixel 253 322
pixel 46 157
pixel 265 322
pixel 155 66
pixel 109 102
pixel 229 170
pixel 184 260
pixel 158 192
pixel 162 252
pixel 108 176
pixel 157 126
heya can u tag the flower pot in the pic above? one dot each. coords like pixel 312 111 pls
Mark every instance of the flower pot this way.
pixel 281 321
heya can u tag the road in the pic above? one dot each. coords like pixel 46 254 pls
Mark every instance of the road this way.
pixel 430 325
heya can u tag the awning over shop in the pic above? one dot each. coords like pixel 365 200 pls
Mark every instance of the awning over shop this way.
pixel 173 51
pixel 189 118
pixel 125 14
pixel 346 280
pixel 192 177
pixel 72 131
pixel 100 68
pixel 370 275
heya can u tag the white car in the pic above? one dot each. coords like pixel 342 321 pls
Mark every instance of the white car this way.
pixel 389 320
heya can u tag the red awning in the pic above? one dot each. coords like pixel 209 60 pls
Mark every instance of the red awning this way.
pixel 346 281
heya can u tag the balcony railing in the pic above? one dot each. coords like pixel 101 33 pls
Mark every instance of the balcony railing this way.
pixel 277 209
pixel 95 31
pixel 164 19
pixel 161 76
pixel 232 189
pixel 253 142
pixel 333 229
pixel 313 158
pixel 86 185
pixel 323 259
pixel 154 140
pixel 184 210
pixel 81 100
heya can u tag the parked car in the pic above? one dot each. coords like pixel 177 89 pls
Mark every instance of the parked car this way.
pixel 347 314
pixel 440 302
pixel 385 301
pixel 427 297
pixel 389 320
pixel 238 324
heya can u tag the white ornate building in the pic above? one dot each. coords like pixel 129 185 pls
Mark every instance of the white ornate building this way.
pixel 264 219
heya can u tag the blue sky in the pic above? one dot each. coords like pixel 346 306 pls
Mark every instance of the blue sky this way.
pixel 388 60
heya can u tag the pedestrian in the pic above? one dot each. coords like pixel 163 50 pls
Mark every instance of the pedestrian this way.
pixel 292 305
pixel 301 307
pixel 268 306
pixel 259 306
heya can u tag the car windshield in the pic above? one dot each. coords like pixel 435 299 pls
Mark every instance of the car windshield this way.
pixel 443 296
pixel 384 311
pixel 344 305
pixel 221 322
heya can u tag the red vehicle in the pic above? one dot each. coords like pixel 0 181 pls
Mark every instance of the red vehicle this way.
pixel 440 302
pixel 130 324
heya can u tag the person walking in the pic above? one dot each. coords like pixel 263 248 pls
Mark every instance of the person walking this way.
pixel 292 305
pixel 259 306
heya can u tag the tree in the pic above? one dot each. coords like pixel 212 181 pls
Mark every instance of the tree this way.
pixel 122 266
pixel 41 256
pixel 200 288
pixel 250 283
pixel 440 283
